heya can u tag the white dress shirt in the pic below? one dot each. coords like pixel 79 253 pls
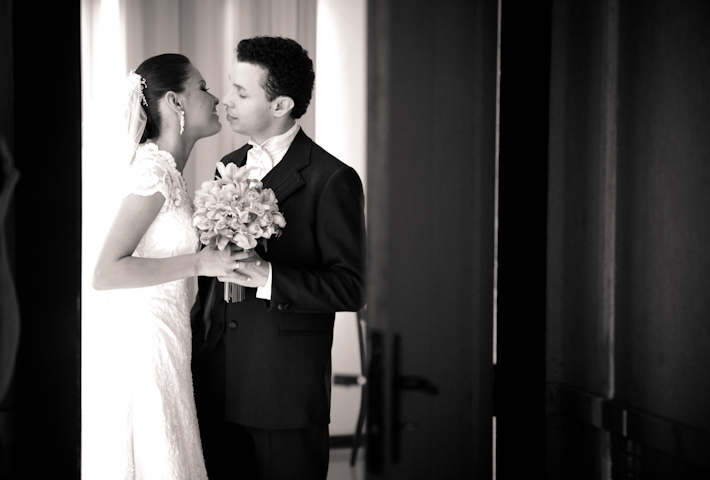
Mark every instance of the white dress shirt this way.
pixel 263 158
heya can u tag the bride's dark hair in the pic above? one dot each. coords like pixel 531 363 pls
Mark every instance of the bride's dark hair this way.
pixel 164 73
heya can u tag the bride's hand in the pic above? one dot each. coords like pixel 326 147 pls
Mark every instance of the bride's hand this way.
pixel 253 272
pixel 213 262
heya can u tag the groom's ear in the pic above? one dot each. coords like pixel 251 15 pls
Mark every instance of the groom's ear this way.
pixel 283 105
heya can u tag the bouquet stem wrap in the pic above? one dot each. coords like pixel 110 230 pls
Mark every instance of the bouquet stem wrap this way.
pixel 233 292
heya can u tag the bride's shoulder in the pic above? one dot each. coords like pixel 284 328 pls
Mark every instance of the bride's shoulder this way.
pixel 152 170
pixel 149 155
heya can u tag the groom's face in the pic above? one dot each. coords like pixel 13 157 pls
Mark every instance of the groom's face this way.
pixel 249 111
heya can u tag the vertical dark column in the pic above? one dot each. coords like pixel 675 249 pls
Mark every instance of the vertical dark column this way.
pixel 6 127
pixel 523 147
pixel 628 312
pixel 7 246
pixel 47 79
pixel 663 225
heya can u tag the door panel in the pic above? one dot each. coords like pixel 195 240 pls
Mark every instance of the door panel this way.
pixel 431 177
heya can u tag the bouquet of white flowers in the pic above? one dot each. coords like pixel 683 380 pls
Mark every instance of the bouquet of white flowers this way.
pixel 236 209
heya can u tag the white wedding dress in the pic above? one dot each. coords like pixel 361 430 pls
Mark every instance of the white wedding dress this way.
pixel 149 428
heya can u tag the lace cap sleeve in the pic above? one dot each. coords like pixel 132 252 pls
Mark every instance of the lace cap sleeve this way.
pixel 150 173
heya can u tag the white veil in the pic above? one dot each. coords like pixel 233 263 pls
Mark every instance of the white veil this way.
pixel 134 113
pixel 114 122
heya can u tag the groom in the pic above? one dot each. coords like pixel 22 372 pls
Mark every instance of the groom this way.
pixel 261 367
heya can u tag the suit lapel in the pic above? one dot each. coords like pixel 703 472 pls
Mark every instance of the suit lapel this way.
pixel 241 156
pixel 285 178
pixel 237 157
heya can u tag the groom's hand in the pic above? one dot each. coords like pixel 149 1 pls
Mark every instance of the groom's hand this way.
pixel 213 262
pixel 251 272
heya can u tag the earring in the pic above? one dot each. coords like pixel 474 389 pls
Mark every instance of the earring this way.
pixel 182 121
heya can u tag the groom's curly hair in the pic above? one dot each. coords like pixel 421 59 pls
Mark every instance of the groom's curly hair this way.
pixel 289 69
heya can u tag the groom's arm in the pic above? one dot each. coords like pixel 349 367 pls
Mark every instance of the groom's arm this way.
pixel 339 283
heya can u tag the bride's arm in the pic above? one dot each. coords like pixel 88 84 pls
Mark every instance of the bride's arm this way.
pixel 116 268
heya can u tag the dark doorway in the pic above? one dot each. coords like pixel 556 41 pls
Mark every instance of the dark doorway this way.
pixel 45 239
pixel 522 237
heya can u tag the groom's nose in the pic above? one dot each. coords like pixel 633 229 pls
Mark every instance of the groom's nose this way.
pixel 227 100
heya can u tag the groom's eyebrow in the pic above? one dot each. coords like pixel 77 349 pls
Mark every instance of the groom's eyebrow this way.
pixel 236 85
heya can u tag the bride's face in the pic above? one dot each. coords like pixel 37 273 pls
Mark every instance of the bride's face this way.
pixel 201 118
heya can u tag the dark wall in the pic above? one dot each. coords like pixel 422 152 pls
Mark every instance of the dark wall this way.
pixel 663 224
pixel 6 70
pixel 582 159
pixel 7 248
pixel 628 308
pixel 47 233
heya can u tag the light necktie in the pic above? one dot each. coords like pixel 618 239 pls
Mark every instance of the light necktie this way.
pixel 259 160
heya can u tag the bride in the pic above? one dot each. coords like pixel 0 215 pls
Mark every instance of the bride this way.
pixel 149 426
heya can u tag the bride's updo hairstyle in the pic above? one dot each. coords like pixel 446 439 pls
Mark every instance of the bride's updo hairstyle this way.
pixel 164 73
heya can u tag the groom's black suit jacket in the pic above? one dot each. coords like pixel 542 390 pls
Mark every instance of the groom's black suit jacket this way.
pixel 273 369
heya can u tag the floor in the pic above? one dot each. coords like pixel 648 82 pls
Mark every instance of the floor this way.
pixel 340 469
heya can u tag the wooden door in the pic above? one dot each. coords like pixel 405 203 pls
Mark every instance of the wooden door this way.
pixel 431 178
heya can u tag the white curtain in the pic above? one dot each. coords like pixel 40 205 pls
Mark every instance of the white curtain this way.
pixel 117 35
pixel 341 86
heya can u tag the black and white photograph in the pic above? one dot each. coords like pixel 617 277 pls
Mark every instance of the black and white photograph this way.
pixel 354 239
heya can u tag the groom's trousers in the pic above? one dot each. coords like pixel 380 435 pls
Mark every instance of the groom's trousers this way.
pixel 238 452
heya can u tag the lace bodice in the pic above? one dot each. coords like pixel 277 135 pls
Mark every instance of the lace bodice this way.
pixel 171 233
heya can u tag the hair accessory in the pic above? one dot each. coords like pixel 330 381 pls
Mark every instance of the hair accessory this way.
pixel 182 121
pixel 137 81
pixel 144 84
pixel 135 115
